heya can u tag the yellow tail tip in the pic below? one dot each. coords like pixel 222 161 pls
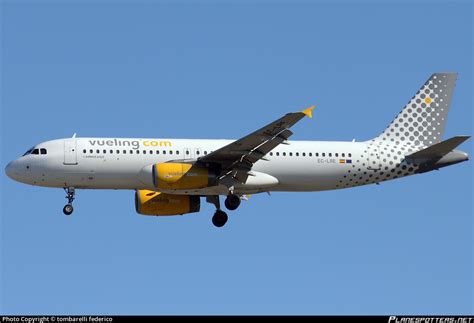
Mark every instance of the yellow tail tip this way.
pixel 309 112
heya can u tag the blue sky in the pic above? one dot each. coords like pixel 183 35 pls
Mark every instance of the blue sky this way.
pixel 221 70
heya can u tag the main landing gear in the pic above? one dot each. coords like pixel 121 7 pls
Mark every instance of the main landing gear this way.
pixel 232 202
pixel 220 218
pixel 70 194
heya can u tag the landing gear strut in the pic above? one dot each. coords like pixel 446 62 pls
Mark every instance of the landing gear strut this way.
pixel 70 194
pixel 220 217
pixel 232 202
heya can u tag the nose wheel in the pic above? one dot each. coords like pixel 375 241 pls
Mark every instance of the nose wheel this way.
pixel 70 195
pixel 68 209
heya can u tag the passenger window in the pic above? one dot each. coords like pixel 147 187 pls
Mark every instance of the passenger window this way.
pixel 35 151
pixel 144 152
pixel 297 154
pixel 157 152
pixel 336 154
pixel 111 151
pixel 131 151
pixel 205 152
pixel 164 152
pixel 316 154
pixel 278 153
pixel 197 152
pixel 291 154
pixel 118 151
pixel 310 154
pixel 323 154
pixel 304 154
pixel 91 151
pixel 271 154
pixel 97 151
pixel 84 151
pixel 284 154
pixel 350 155
pixel 330 154
pixel 343 155
pixel 137 151
pixel 105 151
pixel 151 152
pixel 124 151
pixel 171 152
pixel 187 152
pixel 177 152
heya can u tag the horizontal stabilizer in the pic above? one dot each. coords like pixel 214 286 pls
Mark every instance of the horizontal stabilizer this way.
pixel 437 151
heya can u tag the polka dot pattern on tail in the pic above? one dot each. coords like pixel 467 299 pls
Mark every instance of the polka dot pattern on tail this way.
pixel 421 122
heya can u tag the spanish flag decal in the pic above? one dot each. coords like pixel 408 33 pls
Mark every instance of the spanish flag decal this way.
pixel 345 161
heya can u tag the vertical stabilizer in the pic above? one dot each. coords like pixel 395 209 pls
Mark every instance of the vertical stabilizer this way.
pixel 421 122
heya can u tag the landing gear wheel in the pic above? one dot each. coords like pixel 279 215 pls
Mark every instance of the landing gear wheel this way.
pixel 70 195
pixel 219 219
pixel 232 202
pixel 68 209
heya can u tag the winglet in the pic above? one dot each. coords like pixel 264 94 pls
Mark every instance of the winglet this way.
pixel 309 112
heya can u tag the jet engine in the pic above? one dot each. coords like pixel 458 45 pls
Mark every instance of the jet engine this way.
pixel 157 203
pixel 180 176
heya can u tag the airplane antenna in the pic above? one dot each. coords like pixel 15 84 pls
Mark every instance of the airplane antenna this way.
pixel 74 135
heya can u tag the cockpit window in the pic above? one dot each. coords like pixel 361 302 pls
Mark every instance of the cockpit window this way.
pixel 36 151
pixel 28 152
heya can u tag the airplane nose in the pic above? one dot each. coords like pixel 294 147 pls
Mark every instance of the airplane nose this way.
pixel 12 170
pixel 9 170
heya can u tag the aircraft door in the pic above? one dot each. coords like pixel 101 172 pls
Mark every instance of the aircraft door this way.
pixel 373 156
pixel 70 152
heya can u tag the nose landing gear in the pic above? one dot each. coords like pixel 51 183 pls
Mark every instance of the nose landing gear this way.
pixel 67 209
pixel 70 195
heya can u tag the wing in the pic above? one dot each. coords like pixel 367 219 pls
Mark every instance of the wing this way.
pixel 237 158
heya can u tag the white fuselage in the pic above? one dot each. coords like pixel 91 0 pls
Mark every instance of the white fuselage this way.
pixel 125 163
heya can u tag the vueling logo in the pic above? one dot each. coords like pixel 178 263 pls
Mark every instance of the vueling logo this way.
pixel 135 144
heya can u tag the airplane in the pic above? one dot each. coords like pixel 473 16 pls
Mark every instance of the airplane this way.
pixel 170 176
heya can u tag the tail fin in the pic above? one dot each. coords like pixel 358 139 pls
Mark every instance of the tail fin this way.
pixel 421 122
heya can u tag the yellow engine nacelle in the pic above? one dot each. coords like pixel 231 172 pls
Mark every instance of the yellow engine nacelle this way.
pixel 179 176
pixel 157 203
